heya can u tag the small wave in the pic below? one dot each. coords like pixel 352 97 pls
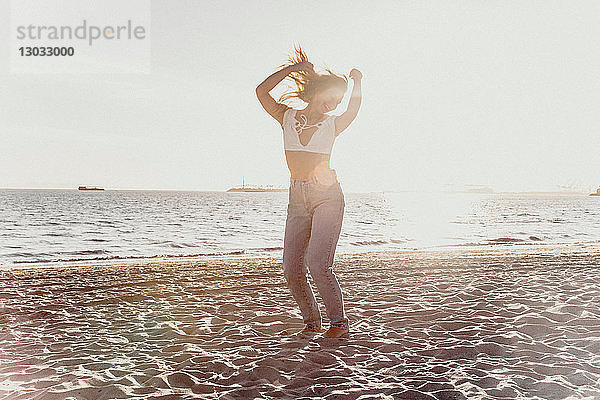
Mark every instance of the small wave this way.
pixel 47 257
pixel 266 248
pixel 498 241
pixel 505 240
pixel 83 252
pixel 369 243
pixel 22 254
pixel 115 257
pixel 52 234
pixel 38 261
pixel 160 242
pixel 181 245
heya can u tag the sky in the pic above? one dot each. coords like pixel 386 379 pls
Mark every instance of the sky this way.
pixel 502 94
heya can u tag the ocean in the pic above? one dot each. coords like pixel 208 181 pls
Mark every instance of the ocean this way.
pixel 41 227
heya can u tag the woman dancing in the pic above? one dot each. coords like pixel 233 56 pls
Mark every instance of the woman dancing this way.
pixel 316 201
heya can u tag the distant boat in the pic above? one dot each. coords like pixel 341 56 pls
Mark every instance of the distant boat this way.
pixel 89 188
pixel 255 188
pixel 597 193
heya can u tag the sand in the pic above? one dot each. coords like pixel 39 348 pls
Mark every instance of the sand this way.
pixel 501 324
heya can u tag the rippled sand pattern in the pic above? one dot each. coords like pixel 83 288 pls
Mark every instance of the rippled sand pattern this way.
pixel 478 325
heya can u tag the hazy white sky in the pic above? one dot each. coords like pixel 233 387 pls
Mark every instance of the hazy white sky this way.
pixel 497 93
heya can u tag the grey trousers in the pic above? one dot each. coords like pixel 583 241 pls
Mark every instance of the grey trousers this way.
pixel 314 221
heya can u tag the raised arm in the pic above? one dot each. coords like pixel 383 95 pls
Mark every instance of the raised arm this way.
pixel 343 121
pixel 275 109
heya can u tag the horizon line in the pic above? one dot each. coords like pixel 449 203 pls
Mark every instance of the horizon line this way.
pixel 370 191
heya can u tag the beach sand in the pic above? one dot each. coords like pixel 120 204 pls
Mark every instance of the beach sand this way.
pixel 473 324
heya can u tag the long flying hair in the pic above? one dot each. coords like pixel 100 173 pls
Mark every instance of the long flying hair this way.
pixel 309 83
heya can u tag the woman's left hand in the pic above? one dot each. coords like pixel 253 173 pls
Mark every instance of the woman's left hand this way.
pixel 355 74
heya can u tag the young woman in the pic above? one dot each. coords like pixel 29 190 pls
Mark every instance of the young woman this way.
pixel 316 201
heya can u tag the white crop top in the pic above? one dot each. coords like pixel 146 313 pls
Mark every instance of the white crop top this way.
pixel 320 142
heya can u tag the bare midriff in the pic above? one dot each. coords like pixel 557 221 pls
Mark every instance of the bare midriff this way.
pixel 304 164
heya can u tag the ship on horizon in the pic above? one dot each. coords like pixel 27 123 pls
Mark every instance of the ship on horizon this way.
pixel 256 188
pixel 597 193
pixel 89 188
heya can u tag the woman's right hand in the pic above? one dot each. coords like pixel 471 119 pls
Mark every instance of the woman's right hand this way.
pixel 303 66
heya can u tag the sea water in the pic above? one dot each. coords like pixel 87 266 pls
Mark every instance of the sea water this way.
pixel 39 227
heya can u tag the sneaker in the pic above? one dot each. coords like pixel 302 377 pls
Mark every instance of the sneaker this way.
pixel 335 332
